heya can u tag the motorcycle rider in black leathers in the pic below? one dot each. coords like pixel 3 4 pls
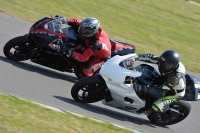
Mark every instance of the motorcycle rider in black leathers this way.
pixel 172 76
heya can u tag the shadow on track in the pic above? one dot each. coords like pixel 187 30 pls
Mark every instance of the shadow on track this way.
pixel 110 113
pixel 40 70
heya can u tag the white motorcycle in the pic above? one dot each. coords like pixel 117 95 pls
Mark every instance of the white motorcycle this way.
pixel 115 86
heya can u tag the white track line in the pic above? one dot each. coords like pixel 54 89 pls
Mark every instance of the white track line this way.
pixel 195 3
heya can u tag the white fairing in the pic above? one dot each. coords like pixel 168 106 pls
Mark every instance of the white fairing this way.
pixel 115 75
pixel 181 84
pixel 112 70
pixel 181 68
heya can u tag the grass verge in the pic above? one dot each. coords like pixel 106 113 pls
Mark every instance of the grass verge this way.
pixel 19 116
pixel 151 25
pixel 198 1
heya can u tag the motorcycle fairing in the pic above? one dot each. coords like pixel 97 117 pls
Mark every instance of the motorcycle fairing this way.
pixel 114 76
pixel 121 48
pixel 48 27
pixel 113 71
pixel 149 75
pixel 192 88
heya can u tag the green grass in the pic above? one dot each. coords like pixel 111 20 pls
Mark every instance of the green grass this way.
pixel 198 1
pixel 151 25
pixel 19 116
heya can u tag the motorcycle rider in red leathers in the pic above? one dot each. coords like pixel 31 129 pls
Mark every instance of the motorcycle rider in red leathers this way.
pixel 98 46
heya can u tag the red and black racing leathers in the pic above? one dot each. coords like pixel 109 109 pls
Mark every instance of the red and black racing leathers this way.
pixel 98 49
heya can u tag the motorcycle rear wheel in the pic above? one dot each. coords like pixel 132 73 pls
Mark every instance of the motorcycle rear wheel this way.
pixel 17 49
pixel 88 90
pixel 171 117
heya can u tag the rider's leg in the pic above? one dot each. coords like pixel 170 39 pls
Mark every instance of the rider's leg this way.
pixel 94 65
pixel 161 104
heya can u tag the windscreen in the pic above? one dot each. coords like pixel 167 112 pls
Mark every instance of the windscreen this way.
pixel 130 64
pixel 60 26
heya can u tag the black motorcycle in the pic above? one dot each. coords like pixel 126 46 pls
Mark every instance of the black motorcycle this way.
pixel 35 45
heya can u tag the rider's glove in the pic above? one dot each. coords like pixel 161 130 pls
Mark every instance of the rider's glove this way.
pixel 140 89
pixel 65 50
pixel 148 58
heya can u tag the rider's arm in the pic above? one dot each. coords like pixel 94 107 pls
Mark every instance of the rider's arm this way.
pixel 176 82
pixel 74 23
pixel 148 58
pixel 174 86
pixel 83 57
pixel 180 87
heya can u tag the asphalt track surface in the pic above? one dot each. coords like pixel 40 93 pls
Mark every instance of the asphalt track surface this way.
pixel 47 86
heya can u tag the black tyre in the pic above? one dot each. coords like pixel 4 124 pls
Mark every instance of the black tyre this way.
pixel 17 49
pixel 89 90
pixel 171 117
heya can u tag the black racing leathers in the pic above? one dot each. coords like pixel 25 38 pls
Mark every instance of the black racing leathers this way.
pixel 173 82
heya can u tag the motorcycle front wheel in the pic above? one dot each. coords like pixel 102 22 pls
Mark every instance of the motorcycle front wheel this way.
pixel 89 90
pixel 17 49
pixel 171 117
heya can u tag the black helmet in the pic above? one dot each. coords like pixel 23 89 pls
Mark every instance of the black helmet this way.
pixel 168 61
pixel 88 27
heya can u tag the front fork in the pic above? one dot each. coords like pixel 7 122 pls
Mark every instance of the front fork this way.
pixel 33 49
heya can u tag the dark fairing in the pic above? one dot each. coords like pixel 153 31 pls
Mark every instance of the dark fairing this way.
pixel 149 75
pixel 41 37
pixel 49 29
pixel 39 21
pixel 124 50
pixel 60 26
pixel 70 33
pixel 123 43
pixel 192 88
